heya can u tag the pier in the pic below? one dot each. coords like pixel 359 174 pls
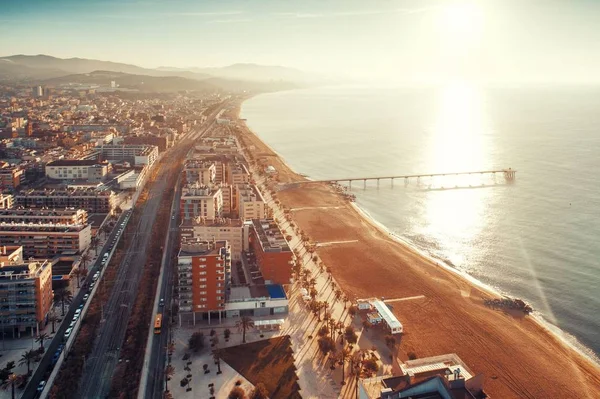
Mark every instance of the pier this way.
pixel 509 174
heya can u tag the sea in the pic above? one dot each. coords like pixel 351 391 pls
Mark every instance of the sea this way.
pixel 536 237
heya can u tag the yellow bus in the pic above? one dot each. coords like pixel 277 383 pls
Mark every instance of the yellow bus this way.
pixel 157 323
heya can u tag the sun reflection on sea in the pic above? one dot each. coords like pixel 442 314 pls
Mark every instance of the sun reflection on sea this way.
pixel 454 211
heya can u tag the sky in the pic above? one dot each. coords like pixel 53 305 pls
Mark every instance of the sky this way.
pixel 404 40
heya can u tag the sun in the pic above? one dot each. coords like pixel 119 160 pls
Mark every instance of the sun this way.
pixel 461 21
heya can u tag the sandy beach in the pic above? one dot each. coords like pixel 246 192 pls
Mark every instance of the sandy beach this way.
pixel 517 355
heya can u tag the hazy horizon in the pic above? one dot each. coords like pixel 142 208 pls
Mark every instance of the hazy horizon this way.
pixel 486 41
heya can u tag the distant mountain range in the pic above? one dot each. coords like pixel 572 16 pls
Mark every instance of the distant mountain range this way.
pixel 44 69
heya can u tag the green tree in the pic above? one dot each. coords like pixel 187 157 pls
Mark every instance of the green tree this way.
pixel 11 381
pixel 196 341
pixel 27 358
pixel 63 296
pixel 237 393
pixel 169 371
pixel 350 335
pixel 53 318
pixel 326 345
pixel 41 338
pixel 85 259
pixel 244 324
pixel 216 352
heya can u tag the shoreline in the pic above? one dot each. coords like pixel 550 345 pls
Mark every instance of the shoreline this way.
pixel 557 334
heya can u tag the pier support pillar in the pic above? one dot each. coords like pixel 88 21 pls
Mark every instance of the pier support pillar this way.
pixel 392 182
pixel 365 183
pixel 377 182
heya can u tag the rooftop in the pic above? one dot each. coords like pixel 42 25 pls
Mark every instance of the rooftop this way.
pixel 75 162
pixel 270 236
pixel 196 247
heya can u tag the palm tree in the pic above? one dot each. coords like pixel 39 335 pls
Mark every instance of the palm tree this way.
pixel 342 356
pixel 52 318
pixel 243 324
pixel 85 259
pixel 337 295
pixel 94 242
pixel 41 338
pixel 169 371
pixel 63 296
pixel 216 353
pixel 77 273
pixel 105 229
pixel 12 380
pixel 26 358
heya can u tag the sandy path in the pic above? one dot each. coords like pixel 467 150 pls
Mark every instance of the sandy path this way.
pixel 518 357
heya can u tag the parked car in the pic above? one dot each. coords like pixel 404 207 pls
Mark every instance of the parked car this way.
pixel 85 297
pixel 41 386
pixel 68 332
pixel 161 303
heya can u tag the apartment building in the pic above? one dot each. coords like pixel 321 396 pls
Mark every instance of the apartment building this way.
pixel 45 240
pixel 250 203
pixel 198 200
pixel 62 216
pixel 137 154
pixel 204 272
pixel 25 292
pixel 234 231
pixel 11 176
pixel 77 169
pixel 93 200
pixel 6 201
pixel 196 171
pixel 227 192
pixel 273 254
pixel 237 173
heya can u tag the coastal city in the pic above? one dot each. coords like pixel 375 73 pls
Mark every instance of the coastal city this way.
pixel 287 200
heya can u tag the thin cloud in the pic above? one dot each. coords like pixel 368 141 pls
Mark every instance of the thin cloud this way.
pixel 355 13
pixel 229 21
pixel 297 15
pixel 204 14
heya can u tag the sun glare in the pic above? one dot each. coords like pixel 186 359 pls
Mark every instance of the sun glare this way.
pixel 461 24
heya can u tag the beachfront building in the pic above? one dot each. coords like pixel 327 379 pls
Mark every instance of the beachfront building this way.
pixel 25 292
pixel 257 301
pixel 204 272
pixel 199 200
pixel 92 199
pixel 250 203
pixel 77 169
pixel 445 376
pixel 45 240
pixel 273 254
pixel 234 231
pixel 198 171
pixel 62 216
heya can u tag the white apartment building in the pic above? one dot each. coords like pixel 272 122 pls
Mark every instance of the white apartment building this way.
pixel 234 231
pixel 138 154
pixel 76 169
pixel 250 203
pixel 202 172
pixel 198 200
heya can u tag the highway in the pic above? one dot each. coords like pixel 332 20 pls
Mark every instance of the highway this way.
pixel 45 363
pixel 155 380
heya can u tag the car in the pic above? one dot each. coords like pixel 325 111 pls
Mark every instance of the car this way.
pixel 72 324
pixel 173 217
pixel 80 306
pixel 77 312
pixel 85 297
pixel 161 303
pixel 92 285
pixel 68 332
pixel 55 357
pixel 60 348
pixel 106 255
pixel 41 386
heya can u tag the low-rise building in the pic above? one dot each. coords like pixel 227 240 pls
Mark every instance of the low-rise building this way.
pixel 25 292
pixel 273 254
pixel 137 154
pixel 62 216
pixel 6 201
pixel 234 231
pixel 444 376
pixel 204 272
pixel 93 200
pixel 77 169
pixel 198 200
pixel 45 240
pixel 257 301
pixel 198 171
pixel 11 177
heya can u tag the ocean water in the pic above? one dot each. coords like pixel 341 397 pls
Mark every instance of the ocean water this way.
pixel 537 238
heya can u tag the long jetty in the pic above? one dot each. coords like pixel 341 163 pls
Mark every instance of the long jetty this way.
pixel 509 174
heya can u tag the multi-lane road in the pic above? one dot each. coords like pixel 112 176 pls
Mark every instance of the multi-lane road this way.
pixel 153 380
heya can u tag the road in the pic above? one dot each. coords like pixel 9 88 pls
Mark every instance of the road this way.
pixel 155 379
pixel 45 363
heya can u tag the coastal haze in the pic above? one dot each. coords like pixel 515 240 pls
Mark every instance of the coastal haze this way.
pixel 535 238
